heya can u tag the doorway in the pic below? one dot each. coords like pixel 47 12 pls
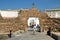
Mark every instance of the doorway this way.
pixel 31 21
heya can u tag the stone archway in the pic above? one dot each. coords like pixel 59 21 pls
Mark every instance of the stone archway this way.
pixel 25 15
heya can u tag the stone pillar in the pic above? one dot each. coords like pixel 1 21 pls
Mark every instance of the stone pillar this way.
pixel 25 26
pixel 26 29
pixel 42 27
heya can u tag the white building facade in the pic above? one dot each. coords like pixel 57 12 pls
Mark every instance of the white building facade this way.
pixel 9 13
pixel 53 13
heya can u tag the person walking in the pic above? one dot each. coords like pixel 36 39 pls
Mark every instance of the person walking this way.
pixel 34 29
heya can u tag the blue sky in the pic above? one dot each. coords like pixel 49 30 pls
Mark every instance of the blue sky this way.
pixel 39 4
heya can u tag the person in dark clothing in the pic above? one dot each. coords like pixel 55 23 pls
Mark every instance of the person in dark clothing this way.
pixel 39 29
pixel 10 34
pixel 32 26
pixel 49 31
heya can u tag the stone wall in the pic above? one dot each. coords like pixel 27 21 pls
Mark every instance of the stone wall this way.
pixel 20 23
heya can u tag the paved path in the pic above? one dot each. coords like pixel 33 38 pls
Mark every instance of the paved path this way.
pixel 30 36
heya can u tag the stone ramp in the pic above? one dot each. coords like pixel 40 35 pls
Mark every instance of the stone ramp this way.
pixel 30 36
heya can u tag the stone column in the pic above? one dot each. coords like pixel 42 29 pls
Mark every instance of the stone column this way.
pixel 26 29
pixel 42 27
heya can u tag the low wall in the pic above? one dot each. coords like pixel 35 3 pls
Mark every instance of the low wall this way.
pixel 56 35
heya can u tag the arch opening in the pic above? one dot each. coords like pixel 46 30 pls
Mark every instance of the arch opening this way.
pixel 33 20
